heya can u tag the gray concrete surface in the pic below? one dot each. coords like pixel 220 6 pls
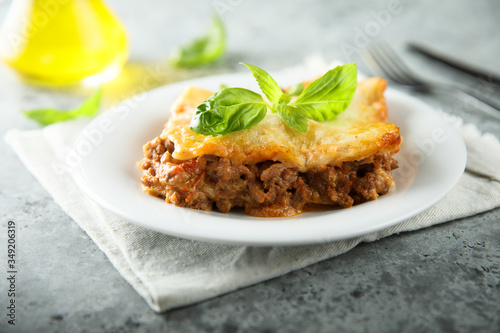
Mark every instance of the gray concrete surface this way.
pixel 442 279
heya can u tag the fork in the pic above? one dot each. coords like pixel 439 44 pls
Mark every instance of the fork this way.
pixel 380 57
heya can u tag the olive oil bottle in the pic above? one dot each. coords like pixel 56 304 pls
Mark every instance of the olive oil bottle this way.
pixel 63 42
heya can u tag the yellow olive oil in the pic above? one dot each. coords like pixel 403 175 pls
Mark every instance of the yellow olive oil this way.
pixel 62 42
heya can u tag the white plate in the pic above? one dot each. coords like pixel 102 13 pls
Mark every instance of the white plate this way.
pixel 431 160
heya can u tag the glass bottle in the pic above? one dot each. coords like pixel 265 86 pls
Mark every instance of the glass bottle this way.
pixel 63 42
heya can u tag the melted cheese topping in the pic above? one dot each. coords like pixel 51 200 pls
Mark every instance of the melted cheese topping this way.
pixel 357 133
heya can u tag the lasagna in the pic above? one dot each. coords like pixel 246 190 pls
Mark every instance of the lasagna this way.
pixel 272 170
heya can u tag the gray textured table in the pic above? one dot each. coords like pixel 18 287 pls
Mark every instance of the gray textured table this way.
pixel 444 278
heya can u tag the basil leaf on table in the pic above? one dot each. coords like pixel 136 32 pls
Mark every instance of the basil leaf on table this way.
pixel 204 50
pixel 266 83
pixel 227 111
pixel 329 95
pixel 49 116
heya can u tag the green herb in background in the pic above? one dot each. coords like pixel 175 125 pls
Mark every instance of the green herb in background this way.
pixel 235 109
pixel 204 50
pixel 88 108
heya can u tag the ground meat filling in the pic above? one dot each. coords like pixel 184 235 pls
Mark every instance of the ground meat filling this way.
pixel 267 189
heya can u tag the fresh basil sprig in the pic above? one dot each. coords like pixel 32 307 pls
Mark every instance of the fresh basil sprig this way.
pixel 229 110
pixel 329 95
pixel 235 109
pixel 292 117
pixel 88 108
pixel 297 89
pixel 266 83
pixel 204 50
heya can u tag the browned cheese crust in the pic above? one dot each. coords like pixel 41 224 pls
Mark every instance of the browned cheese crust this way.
pixel 271 170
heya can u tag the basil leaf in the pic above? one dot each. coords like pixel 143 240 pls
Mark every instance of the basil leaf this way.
pixel 296 89
pixel 203 50
pixel 292 116
pixel 266 83
pixel 227 111
pixel 88 108
pixel 329 95
pixel 283 100
pixel 235 109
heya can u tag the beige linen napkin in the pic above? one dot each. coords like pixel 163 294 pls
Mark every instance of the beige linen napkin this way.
pixel 171 272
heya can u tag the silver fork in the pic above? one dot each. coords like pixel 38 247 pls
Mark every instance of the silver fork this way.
pixel 381 58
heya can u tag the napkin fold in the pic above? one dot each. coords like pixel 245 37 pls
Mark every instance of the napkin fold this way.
pixel 170 272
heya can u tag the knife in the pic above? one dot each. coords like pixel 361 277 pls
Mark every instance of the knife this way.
pixel 456 64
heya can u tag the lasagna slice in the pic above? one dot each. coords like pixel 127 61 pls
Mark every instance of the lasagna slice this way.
pixel 271 170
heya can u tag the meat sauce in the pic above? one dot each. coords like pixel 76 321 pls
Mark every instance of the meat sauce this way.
pixel 266 189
